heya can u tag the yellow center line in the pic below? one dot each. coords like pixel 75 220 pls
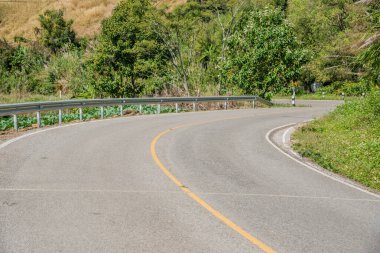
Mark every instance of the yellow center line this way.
pixel 198 199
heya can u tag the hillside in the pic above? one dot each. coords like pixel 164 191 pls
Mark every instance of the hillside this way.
pixel 18 18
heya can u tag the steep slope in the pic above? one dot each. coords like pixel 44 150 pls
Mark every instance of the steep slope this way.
pixel 19 17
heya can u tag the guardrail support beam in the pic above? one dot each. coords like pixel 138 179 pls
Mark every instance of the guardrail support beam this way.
pixel 102 112
pixel 176 108
pixel 60 117
pixel 140 109
pixel 158 108
pixel 225 105
pixel 121 110
pixel 15 124
pixel 194 107
pixel 254 104
pixel 38 119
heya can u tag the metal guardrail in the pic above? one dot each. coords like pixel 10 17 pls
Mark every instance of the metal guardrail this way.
pixel 38 107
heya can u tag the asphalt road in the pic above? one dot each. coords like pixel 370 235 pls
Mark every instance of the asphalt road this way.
pixel 97 187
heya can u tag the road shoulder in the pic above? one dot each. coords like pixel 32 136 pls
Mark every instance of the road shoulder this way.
pixel 280 138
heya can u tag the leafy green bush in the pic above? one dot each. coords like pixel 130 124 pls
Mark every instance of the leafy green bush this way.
pixel 18 67
pixel 66 72
pixel 348 88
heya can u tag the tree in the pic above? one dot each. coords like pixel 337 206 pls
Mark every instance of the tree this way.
pixel 129 52
pixel 55 31
pixel 370 57
pixel 178 30
pixel 227 24
pixel 282 4
pixel 264 54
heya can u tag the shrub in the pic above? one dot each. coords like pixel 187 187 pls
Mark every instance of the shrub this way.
pixel 56 32
pixel 348 88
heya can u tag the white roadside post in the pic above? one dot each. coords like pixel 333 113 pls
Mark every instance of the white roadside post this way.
pixel 15 124
pixel 294 96
pixel 176 108
pixel 59 117
pixel 158 108
pixel 38 119
pixel 80 114
pixel 121 110
pixel 140 109
pixel 102 112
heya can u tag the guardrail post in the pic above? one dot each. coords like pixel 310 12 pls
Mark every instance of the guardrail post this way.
pixel 254 104
pixel 194 107
pixel 38 119
pixel 176 108
pixel 225 105
pixel 102 112
pixel 15 125
pixel 60 117
pixel 80 114
pixel 121 110
pixel 158 108
pixel 140 109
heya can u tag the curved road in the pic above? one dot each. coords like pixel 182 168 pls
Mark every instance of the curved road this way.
pixel 110 186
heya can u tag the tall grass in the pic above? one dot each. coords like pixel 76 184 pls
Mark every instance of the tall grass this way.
pixel 19 19
pixel 347 141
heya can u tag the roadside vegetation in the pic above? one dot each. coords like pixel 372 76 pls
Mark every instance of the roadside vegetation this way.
pixel 347 141
pixel 181 48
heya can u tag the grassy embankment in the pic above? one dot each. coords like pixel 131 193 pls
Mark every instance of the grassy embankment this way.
pixel 18 18
pixel 347 141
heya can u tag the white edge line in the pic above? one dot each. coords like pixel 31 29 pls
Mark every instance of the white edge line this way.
pixel 267 136
pixel 33 133
pixel 284 136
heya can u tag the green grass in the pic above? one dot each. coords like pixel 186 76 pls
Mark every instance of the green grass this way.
pixel 347 141
pixel 24 98
pixel 313 96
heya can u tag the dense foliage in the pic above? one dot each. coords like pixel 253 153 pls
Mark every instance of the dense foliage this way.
pixel 264 55
pixel 129 52
pixel 209 47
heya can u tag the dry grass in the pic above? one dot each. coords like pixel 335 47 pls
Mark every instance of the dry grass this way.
pixel 19 17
